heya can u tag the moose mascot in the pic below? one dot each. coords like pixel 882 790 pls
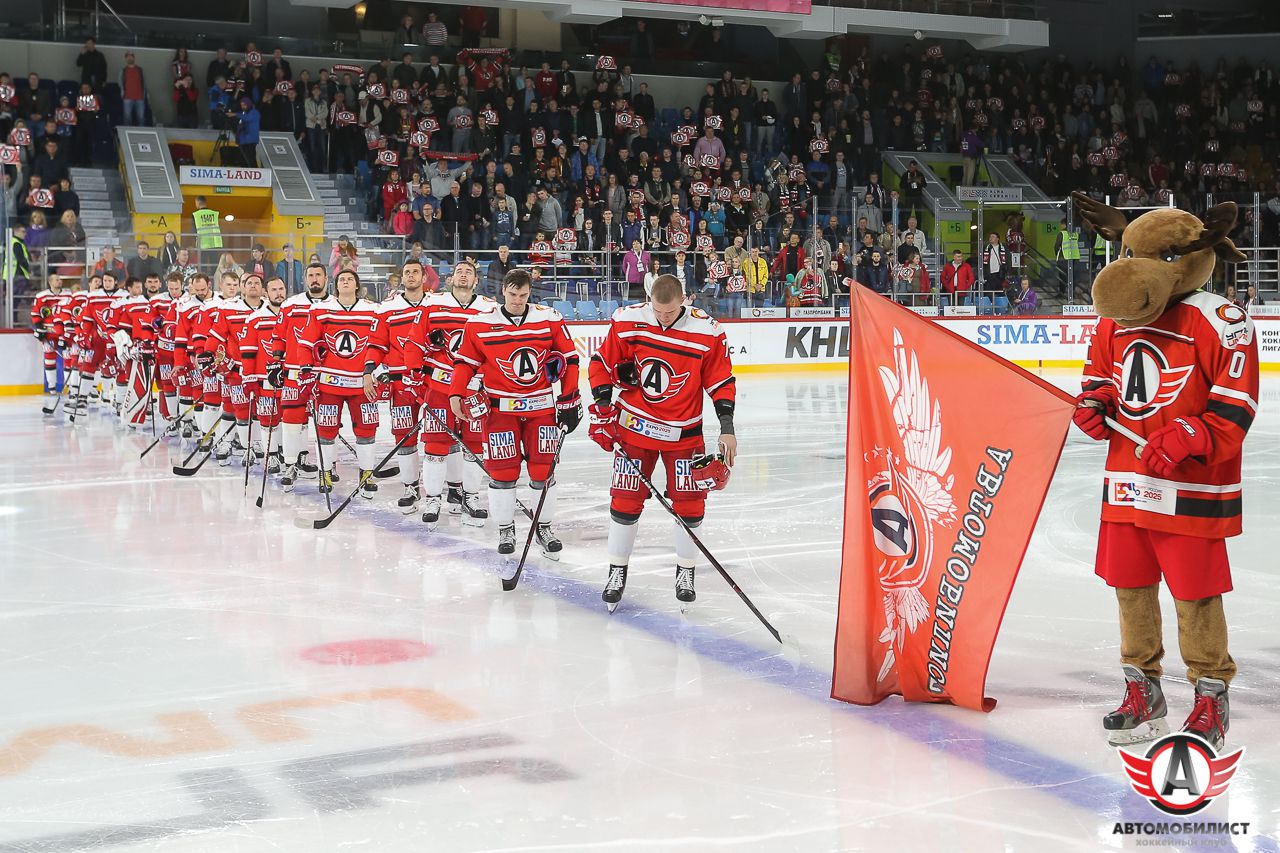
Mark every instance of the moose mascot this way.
pixel 1176 367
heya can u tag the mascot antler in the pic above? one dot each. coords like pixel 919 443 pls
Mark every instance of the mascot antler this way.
pixel 1218 222
pixel 1104 218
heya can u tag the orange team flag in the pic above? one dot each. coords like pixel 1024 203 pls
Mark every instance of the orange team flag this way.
pixel 950 452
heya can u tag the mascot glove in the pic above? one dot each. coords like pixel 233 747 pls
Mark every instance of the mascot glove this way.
pixel 603 429
pixel 1092 407
pixel 1172 444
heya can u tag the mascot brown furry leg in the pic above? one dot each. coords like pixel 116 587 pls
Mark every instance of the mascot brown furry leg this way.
pixel 1178 367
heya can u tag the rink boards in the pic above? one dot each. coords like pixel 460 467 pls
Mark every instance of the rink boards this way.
pixel 783 344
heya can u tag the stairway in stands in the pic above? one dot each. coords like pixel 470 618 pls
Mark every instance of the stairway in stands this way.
pixel 343 206
pixel 104 213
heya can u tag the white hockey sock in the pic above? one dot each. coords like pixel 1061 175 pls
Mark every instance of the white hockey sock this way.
pixel 473 479
pixel 366 455
pixel 622 540
pixel 409 464
pixel 686 551
pixel 291 442
pixel 453 469
pixel 205 419
pixel 242 433
pixel 502 505
pixel 51 378
pixel 433 476
pixel 171 406
pixel 548 513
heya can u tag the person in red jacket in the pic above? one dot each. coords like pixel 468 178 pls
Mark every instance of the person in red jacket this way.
pixel 957 276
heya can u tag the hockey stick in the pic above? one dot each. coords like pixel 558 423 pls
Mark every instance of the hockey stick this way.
pixel 248 446
pixel 468 455
pixel 380 474
pixel 315 425
pixel 153 444
pixel 322 523
pixel 49 410
pixel 657 495
pixel 266 458
pixel 509 584
pixel 1126 432
pixel 183 471
pixel 75 410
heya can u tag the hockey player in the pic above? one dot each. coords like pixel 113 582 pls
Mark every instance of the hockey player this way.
pixel 517 348
pixel 135 346
pixel 223 343
pixel 94 323
pixel 296 392
pixel 121 363
pixel 187 376
pixel 44 309
pixel 212 396
pixel 401 311
pixel 69 323
pixel 439 334
pixel 255 355
pixel 343 342
pixel 167 322
pixel 663 356
pixel 191 363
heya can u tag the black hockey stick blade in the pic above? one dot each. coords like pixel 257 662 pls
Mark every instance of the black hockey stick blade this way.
pixel 384 473
pixel 508 584
pixel 184 470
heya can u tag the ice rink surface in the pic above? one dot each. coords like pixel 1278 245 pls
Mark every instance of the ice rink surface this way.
pixel 184 672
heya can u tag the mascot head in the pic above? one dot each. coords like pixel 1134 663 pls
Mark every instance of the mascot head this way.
pixel 1165 254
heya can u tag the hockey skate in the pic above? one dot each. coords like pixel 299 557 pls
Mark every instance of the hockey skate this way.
pixel 1141 716
pixel 1211 715
pixel 326 479
pixel 368 486
pixel 614 587
pixel 274 462
pixel 305 469
pixel 431 510
pixel 473 514
pixel 409 500
pixel 684 584
pixel 507 539
pixel 548 542
pixel 289 478
pixel 454 498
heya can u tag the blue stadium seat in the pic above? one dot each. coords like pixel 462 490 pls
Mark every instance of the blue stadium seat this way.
pixel 563 306
pixel 984 304
pixel 607 307
pixel 968 300
pixel 585 309
pixel 945 300
pixel 1002 304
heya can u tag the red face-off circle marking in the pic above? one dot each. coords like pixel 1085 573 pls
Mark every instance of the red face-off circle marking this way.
pixel 371 652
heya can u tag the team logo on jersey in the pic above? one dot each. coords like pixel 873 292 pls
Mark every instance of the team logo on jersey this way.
pixel 327 415
pixel 1180 774
pixel 625 478
pixel 266 407
pixel 238 395
pixel 405 343
pixel 369 413
pixel 436 423
pixel 1147 383
pixel 345 343
pixel 684 476
pixel 659 381
pixel 908 498
pixel 525 366
pixel 548 439
pixel 502 445
pixel 455 340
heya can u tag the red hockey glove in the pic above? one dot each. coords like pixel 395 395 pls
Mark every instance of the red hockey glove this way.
pixel 252 388
pixel 1092 407
pixel 475 406
pixel 603 428
pixel 1171 445
pixel 709 472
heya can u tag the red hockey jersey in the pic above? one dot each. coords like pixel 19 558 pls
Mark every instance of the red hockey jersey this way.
pixel 294 313
pixel 512 355
pixel 1200 358
pixel 676 365
pixel 95 319
pixel 45 307
pixel 443 312
pixel 338 342
pixel 255 345
pixel 188 337
pixel 226 322
pixel 66 320
pixel 400 316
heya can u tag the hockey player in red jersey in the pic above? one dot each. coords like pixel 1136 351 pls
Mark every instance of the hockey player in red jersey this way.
pixel 1177 367
pixel 167 321
pixel 296 392
pixel 255 355
pixel 135 345
pixel 214 407
pixel 520 349
pixel 343 342
pixel 223 343
pixel 44 309
pixel 188 378
pixel 94 323
pixel 400 313
pixel 439 334
pixel 663 356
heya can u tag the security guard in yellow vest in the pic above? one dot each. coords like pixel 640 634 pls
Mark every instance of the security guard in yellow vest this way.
pixel 208 229
pixel 1067 252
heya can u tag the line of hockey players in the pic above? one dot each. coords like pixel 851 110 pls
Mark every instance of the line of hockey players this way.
pixel 475 389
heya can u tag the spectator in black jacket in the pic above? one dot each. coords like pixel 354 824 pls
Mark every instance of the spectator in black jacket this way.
pixel 50 165
pixel 219 66
pixel 34 103
pixel 92 65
